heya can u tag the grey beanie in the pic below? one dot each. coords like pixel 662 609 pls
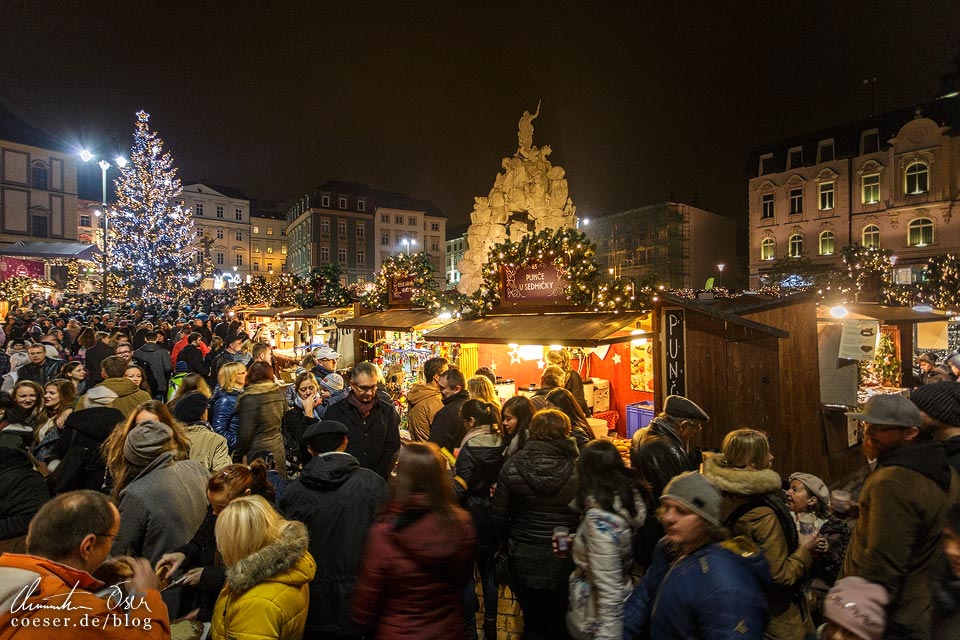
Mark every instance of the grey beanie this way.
pixel 696 493
pixel 146 441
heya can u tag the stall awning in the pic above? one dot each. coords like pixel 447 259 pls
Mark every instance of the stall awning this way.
pixel 567 329
pixel 268 312
pixel 390 320
pixel 316 312
pixel 63 250
pixel 886 315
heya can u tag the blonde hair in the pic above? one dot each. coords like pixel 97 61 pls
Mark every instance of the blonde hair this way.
pixel 747 448
pixel 227 375
pixel 246 525
pixel 482 389
pixel 552 376
pixel 560 358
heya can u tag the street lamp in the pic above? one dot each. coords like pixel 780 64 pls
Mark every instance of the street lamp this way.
pixel 121 162
pixel 720 268
pixel 407 242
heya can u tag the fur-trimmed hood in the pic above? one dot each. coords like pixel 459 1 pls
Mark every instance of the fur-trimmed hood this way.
pixel 743 482
pixel 285 561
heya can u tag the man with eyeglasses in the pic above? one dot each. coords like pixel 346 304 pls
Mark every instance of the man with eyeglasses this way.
pixel 50 590
pixel 903 505
pixel 373 425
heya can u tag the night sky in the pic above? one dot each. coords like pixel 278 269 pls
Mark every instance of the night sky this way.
pixel 424 97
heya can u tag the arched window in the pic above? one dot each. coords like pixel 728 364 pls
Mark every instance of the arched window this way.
pixel 768 249
pixel 871 237
pixel 920 232
pixel 795 245
pixel 917 178
pixel 826 243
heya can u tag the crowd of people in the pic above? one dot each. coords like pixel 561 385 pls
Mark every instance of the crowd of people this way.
pixel 162 453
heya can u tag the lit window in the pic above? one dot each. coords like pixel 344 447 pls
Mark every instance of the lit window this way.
pixel 920 232
pixel 269 249
pixel 219 212
pixel 270 267
pixel 343 203
pixel 256 230
pixel 198 209
pixel 270 231
pixel 870 188
pixel 795 245
pixel 256 248
pixel 324 201
pixel 796 200
pixel 766 204
pixel 826 243
pixel 870 238
pixel 768 249
pixel 283 249
pixel 826 196
pixel 917 178
pixel 256 266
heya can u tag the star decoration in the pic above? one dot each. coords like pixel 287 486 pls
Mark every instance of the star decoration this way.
pixel 541 364
pixel 493 366
pixel 514 356
pixel 616 358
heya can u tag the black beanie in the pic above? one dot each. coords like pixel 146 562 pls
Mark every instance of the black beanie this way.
pixel 940 401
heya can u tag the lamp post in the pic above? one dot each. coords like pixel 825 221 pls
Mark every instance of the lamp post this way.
pixel 86 156
pixel 720 268
pixel 407 242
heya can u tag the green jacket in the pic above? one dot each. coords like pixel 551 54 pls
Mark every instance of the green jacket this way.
pixel 902 508
pixel 129 395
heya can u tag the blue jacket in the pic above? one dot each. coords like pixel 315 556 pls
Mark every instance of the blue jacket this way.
pixel 715 593
pixel 223 415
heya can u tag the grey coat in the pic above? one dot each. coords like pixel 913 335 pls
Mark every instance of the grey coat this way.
pixel 161 508
pixel 260 408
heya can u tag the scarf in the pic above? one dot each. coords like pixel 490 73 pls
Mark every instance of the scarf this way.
pixel 365 408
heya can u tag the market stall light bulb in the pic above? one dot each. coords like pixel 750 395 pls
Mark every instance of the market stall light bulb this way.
pixel 556 347
pixel 838 311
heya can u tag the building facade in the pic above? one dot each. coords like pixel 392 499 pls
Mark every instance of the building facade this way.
pixel 223 217
pixel 889 181
pixel 669 243
pixel 356 227
pixel 456 247
pixel 38 185
pixel 268 238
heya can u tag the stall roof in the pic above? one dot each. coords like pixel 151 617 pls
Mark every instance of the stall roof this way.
pixel 78 250
pixel 712 310
pixel 267 312
pixel 568 329
pixel 316 312
pixel 390 320
pixel 869 311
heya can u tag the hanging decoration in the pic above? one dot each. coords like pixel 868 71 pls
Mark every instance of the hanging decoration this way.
pixel 416 267
pixel 941 281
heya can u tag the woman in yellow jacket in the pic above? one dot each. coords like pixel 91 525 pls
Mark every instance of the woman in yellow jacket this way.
pixel 268 573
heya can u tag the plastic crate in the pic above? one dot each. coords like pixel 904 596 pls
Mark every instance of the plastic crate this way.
pixel 639 415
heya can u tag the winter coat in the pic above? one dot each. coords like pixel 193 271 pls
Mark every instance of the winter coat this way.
pixel 93 358
pixel 222 358
pixel 574 384
pixel 295 422
pixel 535 490
pixel 40 373
pixel 260 409
pixel 129 395
pixel 902 508
pixel 658 453
pixel 714 593
pixel 476 472
pixel 223 414
pixel 158 360
pixel 54 581
pixel 22 493
pixel 601 581
pixel 945 589
pixel 192 358
pixel 789 568
pixel 201 551
pixel 423 403
pixel 161 508
pixel 414 568
pixel 952 447
pixel 337 500
pixel 375 440
pixel 266 594
pixel 447 428
pixel 81 464
pixel 206 447
pixel 940 373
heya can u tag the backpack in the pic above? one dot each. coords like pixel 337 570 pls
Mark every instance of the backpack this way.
pixel 779 509
pixel 174 385
pixel 148 374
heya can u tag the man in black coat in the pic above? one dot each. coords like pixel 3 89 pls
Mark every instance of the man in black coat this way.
pixel 40 369
pixel 447 428
pixel 94 356
pixel 373 425
pixel 337 500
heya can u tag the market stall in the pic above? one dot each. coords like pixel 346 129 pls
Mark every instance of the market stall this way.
pixel 315 327
pixel 262 322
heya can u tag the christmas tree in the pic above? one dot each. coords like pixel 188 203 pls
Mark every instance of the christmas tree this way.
pixel 154 248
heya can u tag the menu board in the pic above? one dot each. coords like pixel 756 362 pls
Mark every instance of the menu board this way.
pixel 858 340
